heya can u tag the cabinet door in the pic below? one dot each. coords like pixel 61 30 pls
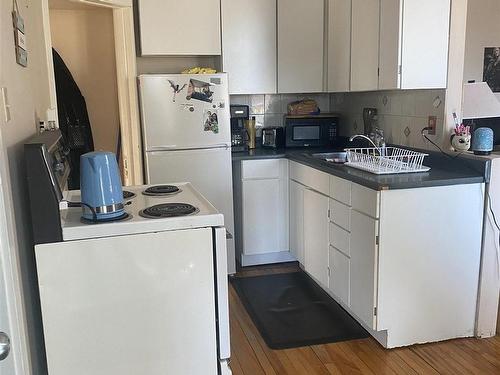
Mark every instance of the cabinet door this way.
pixel 297 220
pixel 339 265
pixel 339 45
pixel 262 216
pixel 300 46
pixel 172 27
pixel 363 283
pixel 364 45
pixel 425 49
pixel 316 235
pixel 249 45
pixel 390 47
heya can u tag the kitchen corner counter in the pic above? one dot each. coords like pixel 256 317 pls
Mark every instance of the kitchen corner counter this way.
pixel 444 170
pixel 260 153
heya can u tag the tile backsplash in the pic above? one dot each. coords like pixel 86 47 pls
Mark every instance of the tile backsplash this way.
pixel 401 114
pixel 270 109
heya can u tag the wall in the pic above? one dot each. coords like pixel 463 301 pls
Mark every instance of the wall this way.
pixel 25 88
pixel 174 64
pixel 85 40
pixel 402 114
pixel 269 110
pixel 483 30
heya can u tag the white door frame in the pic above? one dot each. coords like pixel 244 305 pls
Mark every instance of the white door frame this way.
pixel 126 71
pixel 10 276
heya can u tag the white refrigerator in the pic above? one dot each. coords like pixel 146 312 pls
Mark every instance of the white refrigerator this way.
pixel 187 137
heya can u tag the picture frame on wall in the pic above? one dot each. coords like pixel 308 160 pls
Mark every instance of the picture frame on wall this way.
pixel 491 70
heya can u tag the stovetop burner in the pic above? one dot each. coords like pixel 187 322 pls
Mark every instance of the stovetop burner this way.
pixel 168 210
pixel 161 190
pixel 128 194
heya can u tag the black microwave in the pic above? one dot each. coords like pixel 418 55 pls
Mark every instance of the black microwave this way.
pixel 311 131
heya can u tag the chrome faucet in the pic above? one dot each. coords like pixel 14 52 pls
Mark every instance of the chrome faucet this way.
pixel 376 139
pixel 364 137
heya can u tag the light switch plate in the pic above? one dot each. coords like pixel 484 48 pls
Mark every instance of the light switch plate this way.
pixel 5 104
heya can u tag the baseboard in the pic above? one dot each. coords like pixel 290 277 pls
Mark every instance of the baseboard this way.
pixel 268 258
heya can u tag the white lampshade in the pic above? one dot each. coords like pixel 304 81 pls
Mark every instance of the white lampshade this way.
pixel 479 101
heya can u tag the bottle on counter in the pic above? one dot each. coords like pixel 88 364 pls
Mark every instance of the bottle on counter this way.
pixel 250 127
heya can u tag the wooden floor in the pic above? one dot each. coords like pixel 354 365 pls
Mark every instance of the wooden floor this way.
pixel 251 356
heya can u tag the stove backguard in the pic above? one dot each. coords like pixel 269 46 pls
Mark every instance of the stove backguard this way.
pixel 47 170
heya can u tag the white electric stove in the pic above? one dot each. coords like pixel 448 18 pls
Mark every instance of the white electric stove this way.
pixel 146 294
pixel 182 207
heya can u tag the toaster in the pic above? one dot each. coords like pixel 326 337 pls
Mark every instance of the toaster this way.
pixel 273 137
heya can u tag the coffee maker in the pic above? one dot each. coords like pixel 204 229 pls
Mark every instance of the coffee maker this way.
pixel 239 114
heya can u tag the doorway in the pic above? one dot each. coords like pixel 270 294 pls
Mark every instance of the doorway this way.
pixel 83 36
pixel 95 39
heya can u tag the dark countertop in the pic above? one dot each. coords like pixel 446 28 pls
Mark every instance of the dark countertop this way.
pixel 261 153
pixel 444 170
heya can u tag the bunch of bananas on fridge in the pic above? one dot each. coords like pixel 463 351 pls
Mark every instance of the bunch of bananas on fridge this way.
pixel 199 70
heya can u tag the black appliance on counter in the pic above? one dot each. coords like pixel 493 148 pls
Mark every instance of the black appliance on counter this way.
pixel 239 114
pixel 273 137
pixel 492 122
pixel 47 171
pixel 311 131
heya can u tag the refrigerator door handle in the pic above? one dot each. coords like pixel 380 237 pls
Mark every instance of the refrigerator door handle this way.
pixel 176 148
pixel 222 292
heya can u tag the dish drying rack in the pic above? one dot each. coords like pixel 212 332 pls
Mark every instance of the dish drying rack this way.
pixel 386 160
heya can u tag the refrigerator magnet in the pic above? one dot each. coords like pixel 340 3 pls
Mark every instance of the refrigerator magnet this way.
pixel 187 107
pixel 176 88
pixel 210 121
pixel 199 90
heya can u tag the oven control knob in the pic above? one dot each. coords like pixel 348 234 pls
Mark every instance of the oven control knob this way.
pixel 59 167
pixel 4 345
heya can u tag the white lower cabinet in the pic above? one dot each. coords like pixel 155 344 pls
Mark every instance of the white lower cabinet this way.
pixel 264 212
pixel 380 255
pixel 297 220
pixel 316 235
pixel 363 267
pixel 339 281
pixel 261 203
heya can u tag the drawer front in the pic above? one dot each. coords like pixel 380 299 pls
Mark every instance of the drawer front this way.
pixel 340 239
pixel 340 190
pixel 310 177
pixel 255 169
pixel 365 200
pixel 340 214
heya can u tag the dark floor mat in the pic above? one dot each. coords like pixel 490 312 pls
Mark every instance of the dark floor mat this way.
pixel 290 310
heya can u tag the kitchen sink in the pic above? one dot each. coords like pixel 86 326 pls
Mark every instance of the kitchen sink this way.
pixel 333 157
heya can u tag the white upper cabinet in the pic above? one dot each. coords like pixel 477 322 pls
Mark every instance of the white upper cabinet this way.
pixel 426 29
pixel 249 45
pixel 390 49
pixel 414 37
pixel 339 45
pixel 187 27
pixel 300 46
pixel 364 45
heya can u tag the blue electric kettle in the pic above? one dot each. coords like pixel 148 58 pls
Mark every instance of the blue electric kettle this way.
pixel 101 186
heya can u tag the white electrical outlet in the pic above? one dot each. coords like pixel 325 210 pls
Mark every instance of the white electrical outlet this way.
pixel 5 104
